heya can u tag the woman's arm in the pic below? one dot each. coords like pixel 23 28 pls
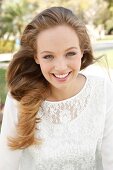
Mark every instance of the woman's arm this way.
pixel 107 142
pixel 9 159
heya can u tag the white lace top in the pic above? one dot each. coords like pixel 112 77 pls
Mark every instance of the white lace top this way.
pixel 77 132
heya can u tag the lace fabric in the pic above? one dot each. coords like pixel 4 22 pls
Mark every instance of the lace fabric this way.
pixel 76 133
pixel 67 110
pixel 71 130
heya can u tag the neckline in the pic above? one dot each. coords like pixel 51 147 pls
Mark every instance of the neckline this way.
pixel 70 98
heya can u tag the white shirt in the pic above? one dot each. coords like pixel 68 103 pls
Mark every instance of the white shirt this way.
pixel 77 132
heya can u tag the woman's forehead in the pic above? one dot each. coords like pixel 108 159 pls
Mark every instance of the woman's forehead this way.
pixel 57 37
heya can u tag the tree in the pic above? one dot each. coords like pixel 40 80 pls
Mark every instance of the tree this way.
pixel 104 14
pixel 1 3
pixel 14 17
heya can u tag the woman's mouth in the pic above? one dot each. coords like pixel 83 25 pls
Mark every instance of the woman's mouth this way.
pixel 61 76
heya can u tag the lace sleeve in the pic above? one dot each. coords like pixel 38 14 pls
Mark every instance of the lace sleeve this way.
pixel 9 160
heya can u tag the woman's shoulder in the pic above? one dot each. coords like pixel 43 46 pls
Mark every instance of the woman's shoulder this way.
pixel 95 81
pixel 11 105
pixel 102 86
pixel 106 81
pixel 10 99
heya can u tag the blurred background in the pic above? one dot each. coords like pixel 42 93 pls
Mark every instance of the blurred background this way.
pixel 15 14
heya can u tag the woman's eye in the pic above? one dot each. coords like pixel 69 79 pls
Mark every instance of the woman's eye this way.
pixel 48 57
pixel 71 53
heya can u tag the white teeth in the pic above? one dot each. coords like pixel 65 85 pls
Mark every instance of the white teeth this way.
pixel 61 76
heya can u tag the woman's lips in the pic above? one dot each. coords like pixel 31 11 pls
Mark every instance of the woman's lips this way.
pixel 61 77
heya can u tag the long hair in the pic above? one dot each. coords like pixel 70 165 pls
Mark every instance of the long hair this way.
pixel 24 77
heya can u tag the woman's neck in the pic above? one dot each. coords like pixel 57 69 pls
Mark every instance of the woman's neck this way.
pixel 67 92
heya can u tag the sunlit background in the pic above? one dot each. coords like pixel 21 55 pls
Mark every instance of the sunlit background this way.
pixel 96 14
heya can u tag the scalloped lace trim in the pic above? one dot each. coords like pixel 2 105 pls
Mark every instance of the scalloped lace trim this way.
pixel 67 110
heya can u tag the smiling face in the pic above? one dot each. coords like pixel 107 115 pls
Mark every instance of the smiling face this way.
pixel 59 56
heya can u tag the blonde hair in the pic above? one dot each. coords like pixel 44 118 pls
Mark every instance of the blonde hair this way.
pixel 25 79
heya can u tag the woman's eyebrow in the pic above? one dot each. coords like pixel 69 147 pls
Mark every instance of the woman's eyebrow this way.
pixel 53 52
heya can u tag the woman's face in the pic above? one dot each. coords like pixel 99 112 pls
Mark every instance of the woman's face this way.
pixel 59 55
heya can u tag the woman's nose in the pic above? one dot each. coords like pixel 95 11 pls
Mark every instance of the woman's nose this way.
pixel 60 64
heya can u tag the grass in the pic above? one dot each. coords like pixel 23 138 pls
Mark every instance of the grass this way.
pixel 3 89
pixel 106 38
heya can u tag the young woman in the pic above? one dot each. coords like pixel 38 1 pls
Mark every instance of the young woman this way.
pixel 55 117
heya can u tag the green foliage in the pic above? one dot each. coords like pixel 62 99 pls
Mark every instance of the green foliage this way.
pixel 6 46
pixel 16 14
pixel 104 14
pixel 109 24
pixel 14 17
